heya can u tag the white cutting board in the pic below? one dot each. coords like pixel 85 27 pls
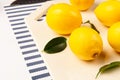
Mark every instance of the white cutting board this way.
pixel 65 65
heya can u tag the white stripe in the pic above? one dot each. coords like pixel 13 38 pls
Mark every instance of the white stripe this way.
pixel 46 78
pixel 18 35
pixel 39 72
pixel 28 49
pixel 27 55
pixel 27 43
pixel 17 23
pixel 17 13
pixel 18 17
pixel 24 39
pixel 36 66
pixel 19 10
pixel 34 60
pixel 20 30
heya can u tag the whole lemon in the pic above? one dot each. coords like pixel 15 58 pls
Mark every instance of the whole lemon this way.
pixel 82 4
pixel 114 36
pixel 113 0
pixel 85 43
pixel 63 18
pixel 108 12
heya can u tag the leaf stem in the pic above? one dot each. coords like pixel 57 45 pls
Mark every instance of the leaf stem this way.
pixel 92 25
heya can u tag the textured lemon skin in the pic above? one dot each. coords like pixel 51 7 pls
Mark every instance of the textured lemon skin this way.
pixel 63 18
pixel 108 12
pixel 114 36
pixel 82 4
pixel 85 43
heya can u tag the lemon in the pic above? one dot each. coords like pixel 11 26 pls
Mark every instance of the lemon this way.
pixel 82 4
pixel 113 0
pixel 63 18
pixel 108 12
pixel 85 43
pixel 114 36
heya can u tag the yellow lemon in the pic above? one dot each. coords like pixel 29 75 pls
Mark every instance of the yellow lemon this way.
pixel 113 0
pixel 63 18
pixel 108 12
pixel 82 4
pixel 85 43
pixel 114 36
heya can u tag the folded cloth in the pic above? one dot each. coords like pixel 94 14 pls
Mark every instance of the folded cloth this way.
pixel 20 2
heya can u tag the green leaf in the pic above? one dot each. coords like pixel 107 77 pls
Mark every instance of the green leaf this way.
pixel 55 45
pixel 92 26
pixel 108 67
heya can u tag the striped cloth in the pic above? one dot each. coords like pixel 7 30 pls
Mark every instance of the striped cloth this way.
pixel 33 59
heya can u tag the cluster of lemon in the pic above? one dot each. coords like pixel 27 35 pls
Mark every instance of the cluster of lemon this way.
pixel 85 42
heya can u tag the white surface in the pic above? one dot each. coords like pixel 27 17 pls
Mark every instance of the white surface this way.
pixel 12 64
pixel 64 65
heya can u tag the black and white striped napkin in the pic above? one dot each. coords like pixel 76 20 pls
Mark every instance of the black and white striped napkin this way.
pixel 33 59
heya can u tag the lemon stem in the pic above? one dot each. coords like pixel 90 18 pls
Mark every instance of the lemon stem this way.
pixel 95 55
pixel 92 25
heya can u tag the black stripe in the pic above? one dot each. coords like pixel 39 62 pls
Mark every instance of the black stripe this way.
pixel 25 36
pixel 20 7
pixel 20 32
pixel 40 76
pixel 20 23
pixel 18 15
pixel 17 28
pixel 20 11
pixel 38 69
pixel 35 63
pixel 20 42
pixel 13 20
pixel 27 46
pixel 30 51
pixel 32 57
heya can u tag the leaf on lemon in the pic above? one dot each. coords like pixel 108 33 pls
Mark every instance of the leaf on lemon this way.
pixel 108 67
pixel 55 45
pixel 92 26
